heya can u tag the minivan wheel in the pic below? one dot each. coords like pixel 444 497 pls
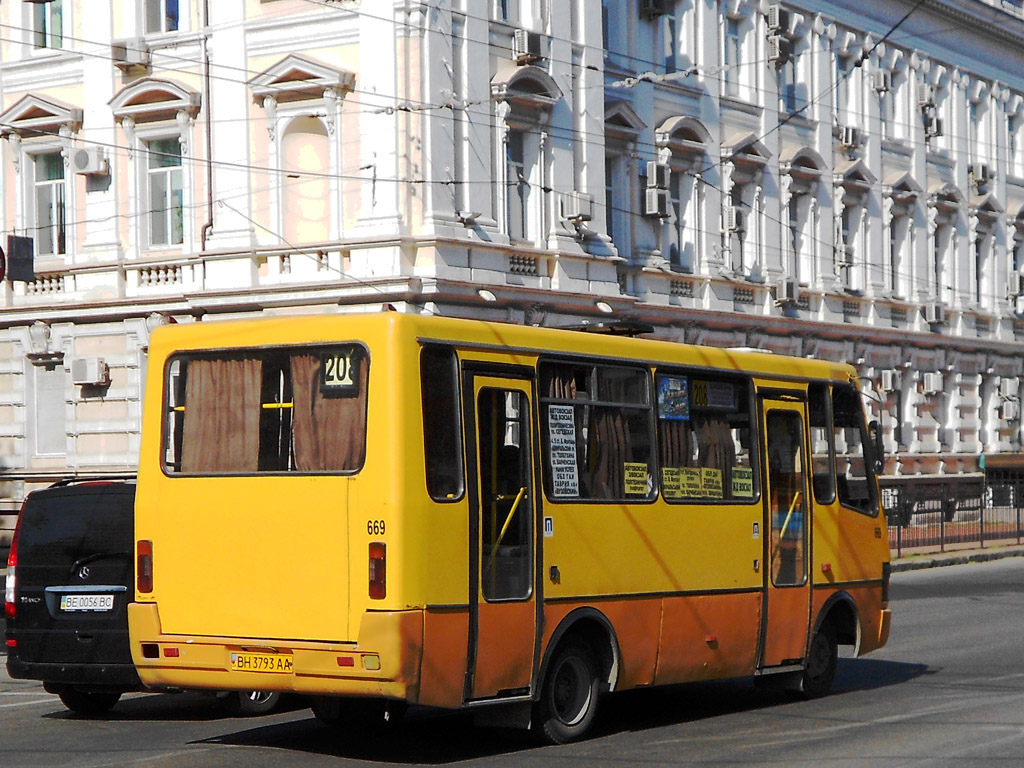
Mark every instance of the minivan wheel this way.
pixel 252 703
pixel 568 701
pixel 89 703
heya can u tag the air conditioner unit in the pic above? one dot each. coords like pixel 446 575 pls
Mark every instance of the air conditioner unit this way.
pixel 889 380
pixel 89 371
pixel 577 206
pixel 656 203
pixel 931 383
pixel 980 173
pixel 649 9
pixel 733 219
pixel 788 291
pixel 932 127
pixel 925 95
pixel 1015 284
pixel 129 54
pixel 90 161
pixel 849 137
pixel 779 49
pixel 1009 410
pixel 934 313
pixel 658 175
pixel 526 46
pixel 778 19
pixel 883 81
pixel 1009 386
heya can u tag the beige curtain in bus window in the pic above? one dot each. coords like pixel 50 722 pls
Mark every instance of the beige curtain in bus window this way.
pixel 715 446
pixel 675 438
pixel 329 432
pixel 222 416
pixel 305 192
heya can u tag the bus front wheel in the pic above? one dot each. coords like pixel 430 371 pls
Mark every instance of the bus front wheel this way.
pixel 822 659
pixel 568 701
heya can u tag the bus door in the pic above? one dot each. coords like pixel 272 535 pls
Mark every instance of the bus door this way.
pixel 787 609
pixel 503 602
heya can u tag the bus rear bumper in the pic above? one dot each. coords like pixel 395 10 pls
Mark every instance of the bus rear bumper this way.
pixel 383 663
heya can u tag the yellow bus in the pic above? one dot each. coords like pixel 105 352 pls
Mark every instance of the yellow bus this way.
pixel 387 510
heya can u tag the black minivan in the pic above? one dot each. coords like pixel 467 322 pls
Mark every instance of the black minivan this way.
pixel 69 581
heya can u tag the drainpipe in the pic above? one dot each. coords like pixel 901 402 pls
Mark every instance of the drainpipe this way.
pixel 208 226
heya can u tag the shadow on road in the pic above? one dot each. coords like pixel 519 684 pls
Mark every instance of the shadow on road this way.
pixel 439 738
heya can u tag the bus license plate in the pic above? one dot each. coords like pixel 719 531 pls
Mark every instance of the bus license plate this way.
pixel 97 603
pixel 262 662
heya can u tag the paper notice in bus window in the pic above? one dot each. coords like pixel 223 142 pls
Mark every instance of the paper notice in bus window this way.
pixel 636 478
pixel 711 481
pixel 689 482
pixel 565 479
pixel 742 482
pixel 671 487
pixel 673 398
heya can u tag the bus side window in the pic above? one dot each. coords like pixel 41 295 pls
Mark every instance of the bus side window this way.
pixel 822 450
pixel 442 424
pixel 704 438
pixel 854 478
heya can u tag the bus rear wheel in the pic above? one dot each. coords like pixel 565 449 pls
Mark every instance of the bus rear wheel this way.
pixel 568 702
pixel 822 659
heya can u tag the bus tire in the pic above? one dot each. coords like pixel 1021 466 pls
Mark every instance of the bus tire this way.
pixel 89 703
pixel 822 659
pixel 253 703
pixel 569 697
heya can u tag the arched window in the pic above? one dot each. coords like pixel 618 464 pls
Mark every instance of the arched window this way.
pixel 524 98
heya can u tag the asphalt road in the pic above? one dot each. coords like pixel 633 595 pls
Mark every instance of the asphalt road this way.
pixel 948 690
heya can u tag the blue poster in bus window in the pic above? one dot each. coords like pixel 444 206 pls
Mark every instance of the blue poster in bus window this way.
pixel 674 398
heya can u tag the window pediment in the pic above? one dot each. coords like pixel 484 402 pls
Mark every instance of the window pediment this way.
pixel 946 197
pixel 854 175
pixel 35 116
pixel 529 88
pixel 683 136
pixel 296 78
pixel 152 99
pixel 621 121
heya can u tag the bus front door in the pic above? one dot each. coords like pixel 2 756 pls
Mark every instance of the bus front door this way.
pixel 503 606
pixel 786 614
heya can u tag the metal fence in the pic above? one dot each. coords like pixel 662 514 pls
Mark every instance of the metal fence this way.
pixel 958 511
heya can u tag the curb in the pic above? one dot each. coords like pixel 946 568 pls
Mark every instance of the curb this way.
pixel 955 558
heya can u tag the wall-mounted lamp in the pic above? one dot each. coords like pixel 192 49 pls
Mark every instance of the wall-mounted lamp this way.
pixel 468 218
pixel 486 295
pixel 604 306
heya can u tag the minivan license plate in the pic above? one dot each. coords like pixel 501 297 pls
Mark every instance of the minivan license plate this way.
pixel 262 662
pixel 98 603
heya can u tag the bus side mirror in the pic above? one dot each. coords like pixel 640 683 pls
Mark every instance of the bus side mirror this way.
pixel 875 432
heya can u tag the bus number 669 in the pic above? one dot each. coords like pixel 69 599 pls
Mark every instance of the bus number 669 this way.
pixel 375 527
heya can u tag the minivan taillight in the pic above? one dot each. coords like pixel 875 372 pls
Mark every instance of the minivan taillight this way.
pixel 378 570
pixel 12 561
pixel 144 565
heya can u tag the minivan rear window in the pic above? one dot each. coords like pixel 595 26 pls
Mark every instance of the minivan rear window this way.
pixel 266 411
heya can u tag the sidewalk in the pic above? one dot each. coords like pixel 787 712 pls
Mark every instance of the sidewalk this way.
pixel 916 561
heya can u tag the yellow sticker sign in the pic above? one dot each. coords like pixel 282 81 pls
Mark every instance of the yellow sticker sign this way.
pixel 636 478
pixel 671 487
pixel 711 481
pixel 743 482
pixel 689 478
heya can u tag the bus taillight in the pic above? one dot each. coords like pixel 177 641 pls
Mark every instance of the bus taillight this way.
pixel 378 570
pixel 144 565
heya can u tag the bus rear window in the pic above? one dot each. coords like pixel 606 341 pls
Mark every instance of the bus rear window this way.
pixel 262 411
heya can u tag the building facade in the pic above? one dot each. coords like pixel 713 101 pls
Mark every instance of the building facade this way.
pixel 830 179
